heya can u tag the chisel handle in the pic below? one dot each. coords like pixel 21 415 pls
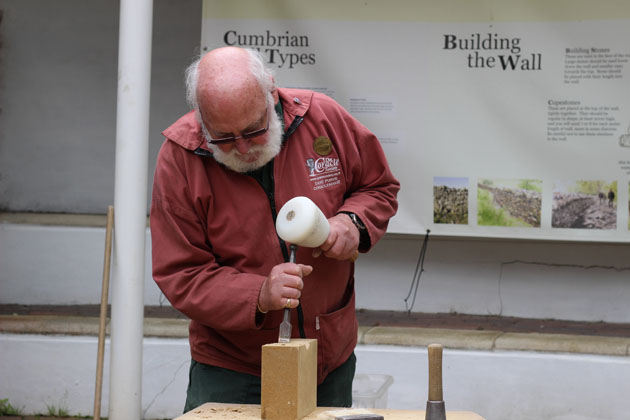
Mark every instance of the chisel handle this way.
pixel 435 372
pixel 293 250
pixel 285 327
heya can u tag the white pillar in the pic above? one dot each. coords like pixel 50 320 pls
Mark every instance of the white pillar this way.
pixel 130 198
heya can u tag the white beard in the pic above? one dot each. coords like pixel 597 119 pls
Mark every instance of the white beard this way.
pixel 264 152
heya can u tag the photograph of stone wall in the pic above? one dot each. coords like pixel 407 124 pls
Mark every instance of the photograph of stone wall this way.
pixel 512 202
pixel 584 205
pixel 450 200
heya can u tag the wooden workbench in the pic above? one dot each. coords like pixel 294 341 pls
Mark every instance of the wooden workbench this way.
pixel 216 411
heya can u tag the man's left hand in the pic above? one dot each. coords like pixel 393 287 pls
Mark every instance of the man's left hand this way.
pixel 343 240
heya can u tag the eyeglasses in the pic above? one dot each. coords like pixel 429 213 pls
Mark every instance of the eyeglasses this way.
pixel 232 139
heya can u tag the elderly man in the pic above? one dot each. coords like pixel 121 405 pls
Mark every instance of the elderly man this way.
pixel 224 170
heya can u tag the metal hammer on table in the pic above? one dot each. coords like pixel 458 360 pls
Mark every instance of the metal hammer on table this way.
pixel 435 404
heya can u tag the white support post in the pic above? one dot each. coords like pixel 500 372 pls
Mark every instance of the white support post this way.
pixel 130 198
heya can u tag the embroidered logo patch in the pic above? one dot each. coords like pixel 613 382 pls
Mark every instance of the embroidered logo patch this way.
pixel 324 172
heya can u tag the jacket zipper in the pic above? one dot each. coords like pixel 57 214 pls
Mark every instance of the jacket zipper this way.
pixel 271 193
pixel 294 125
pixel 283 246
pixel 271 196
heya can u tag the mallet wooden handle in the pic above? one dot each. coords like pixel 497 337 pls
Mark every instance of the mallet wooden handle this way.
pixel 435 372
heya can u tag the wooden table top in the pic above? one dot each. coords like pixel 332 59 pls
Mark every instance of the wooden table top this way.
pixel 217 411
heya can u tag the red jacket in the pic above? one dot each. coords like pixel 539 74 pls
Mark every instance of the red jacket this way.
pixel 214 239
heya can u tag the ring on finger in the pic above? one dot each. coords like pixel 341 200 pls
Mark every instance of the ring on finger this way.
pixel 288 304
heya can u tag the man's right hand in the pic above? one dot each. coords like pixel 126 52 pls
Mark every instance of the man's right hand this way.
pixel 284 282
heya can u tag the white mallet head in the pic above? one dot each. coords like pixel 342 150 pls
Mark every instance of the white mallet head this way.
pixel 302 223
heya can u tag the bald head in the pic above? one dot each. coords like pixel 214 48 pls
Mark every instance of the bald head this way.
pixel 228 78
pixel 226 82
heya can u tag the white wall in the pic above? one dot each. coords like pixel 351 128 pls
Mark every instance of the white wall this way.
pixel 575 281
pixel 59 371
pixel 508 385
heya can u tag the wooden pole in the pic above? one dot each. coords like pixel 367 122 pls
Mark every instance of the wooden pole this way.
pixel 103 316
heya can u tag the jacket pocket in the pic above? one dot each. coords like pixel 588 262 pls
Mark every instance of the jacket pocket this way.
pixel 336 338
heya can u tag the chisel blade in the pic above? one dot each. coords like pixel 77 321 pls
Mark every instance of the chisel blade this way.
pixel 285 327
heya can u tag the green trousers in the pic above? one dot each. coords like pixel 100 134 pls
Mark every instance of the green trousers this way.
pixel 214 384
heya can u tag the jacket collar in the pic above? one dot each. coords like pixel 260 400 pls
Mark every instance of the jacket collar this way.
pixel 295 103
pixel 186 131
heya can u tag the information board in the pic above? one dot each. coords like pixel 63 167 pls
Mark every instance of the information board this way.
pixel 500 119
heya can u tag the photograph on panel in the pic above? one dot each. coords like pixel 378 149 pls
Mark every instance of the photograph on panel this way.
pixel 509 202
pixel 584 204
pixel 450 200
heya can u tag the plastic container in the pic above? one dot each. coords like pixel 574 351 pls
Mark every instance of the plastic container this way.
pixel 370 390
